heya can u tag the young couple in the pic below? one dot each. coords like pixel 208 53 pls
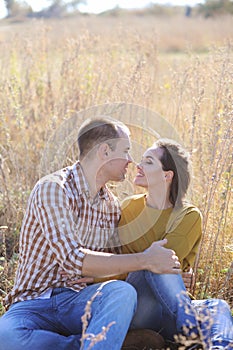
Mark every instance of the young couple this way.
pixel 70 222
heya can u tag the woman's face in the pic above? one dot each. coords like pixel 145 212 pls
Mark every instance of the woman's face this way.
pixel 149 170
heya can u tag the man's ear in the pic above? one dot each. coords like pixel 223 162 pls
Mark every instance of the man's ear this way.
pixel 103 151
pixel 169 175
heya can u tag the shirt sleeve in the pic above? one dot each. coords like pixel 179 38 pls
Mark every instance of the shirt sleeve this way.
pixel 57 221
pixel 184 239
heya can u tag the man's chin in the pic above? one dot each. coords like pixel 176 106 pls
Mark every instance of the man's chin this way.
pixel 120 178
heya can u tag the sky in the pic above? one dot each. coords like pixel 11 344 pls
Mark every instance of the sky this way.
pixel 97 6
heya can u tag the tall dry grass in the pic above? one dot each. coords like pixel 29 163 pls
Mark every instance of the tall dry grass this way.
pixel 181 68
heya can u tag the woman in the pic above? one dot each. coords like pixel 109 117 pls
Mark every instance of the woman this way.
pixel 163 304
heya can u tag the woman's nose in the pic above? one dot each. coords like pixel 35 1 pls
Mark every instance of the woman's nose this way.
pixel 130 159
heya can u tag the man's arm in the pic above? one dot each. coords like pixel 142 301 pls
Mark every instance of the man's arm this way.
pixel 156 259
pixel 58 225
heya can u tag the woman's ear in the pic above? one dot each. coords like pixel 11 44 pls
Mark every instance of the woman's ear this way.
pixel 169 175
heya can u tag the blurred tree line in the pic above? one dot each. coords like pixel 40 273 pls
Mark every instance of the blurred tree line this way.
pixel 59 8
pixel 215 7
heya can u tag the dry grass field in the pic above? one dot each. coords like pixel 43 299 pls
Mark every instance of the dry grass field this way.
pixel 178 67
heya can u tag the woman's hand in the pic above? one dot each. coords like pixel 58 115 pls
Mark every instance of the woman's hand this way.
pixel 71 280
pixel 189 279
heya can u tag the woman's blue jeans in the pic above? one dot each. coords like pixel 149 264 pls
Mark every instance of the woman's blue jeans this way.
pixel 216 322
pixel 55 323
pixel 164 306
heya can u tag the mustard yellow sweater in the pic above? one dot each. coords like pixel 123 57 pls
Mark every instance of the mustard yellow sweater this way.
pixel 141 225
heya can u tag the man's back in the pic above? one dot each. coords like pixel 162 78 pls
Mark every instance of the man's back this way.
pixel 60 220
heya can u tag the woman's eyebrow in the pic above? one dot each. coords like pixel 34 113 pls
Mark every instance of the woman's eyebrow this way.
pixel 147 157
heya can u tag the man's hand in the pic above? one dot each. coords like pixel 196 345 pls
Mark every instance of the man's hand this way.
pixel 160 259
pixel 156 259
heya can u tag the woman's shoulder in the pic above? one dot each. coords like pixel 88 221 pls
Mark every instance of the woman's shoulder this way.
pixel 133 200
pixel 191 209
pixel 188 214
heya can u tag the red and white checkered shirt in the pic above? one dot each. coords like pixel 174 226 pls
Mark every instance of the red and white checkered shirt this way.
pixel 60 220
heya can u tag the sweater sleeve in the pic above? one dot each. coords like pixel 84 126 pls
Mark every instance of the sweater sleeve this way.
pixel 184 238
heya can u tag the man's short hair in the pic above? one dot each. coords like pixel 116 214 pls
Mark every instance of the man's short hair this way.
pixel 100 130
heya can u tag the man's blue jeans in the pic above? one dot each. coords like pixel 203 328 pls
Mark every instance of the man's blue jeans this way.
pixel 164 307
pixel 55 323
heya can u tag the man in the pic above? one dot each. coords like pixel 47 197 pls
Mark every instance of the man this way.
pixel 69 225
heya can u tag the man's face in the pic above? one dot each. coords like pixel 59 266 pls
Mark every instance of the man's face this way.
pixel 119 159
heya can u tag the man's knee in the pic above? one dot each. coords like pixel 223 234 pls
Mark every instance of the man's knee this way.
pixel 121 290
pixel 6 334
pixel 4 327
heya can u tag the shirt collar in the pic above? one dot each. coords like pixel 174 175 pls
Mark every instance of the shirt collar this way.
pixel 82 184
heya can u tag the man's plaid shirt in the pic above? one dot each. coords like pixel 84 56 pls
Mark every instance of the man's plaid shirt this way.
pixel 60 220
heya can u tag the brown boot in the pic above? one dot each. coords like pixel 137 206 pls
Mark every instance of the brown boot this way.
pixel 143 339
